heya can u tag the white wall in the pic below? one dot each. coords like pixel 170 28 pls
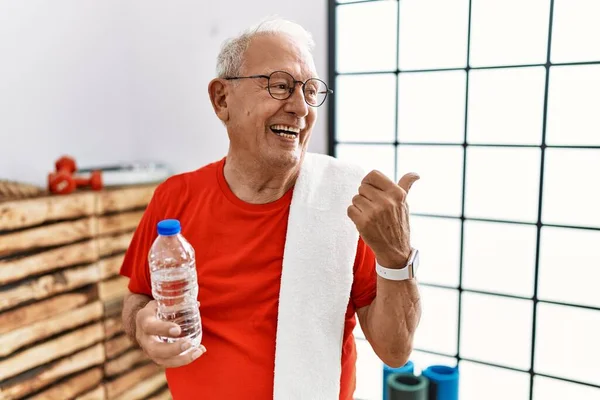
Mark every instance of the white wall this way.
pixel 64 85
pixel 109 81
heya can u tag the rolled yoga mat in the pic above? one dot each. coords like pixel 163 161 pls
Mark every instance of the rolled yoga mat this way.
pixel 407 387
pixel 443 382
pixel 407 368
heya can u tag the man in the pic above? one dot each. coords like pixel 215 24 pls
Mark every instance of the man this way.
pixel 236 214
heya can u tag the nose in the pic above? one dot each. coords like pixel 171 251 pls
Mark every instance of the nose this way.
pixel 295 104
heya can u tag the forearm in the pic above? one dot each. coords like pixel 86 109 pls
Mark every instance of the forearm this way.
pixel 131 305
pixel 393 318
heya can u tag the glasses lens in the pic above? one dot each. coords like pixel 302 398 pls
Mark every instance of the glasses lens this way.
pixel 281 85
pixel 315 92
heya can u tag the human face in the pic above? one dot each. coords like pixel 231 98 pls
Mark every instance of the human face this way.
pixel 256 120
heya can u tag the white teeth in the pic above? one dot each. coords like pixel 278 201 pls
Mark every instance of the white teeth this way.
pixel 286 135
pixel 286 128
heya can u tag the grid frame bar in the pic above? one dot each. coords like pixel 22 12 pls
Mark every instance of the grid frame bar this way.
pixel 540 206
pixel 505 221
pixel 510 296
pixel 456 144
pixel 463 192
pixel 466 68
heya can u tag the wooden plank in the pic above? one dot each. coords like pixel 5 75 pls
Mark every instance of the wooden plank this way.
pixel 25 213
pixel 108 245
pixel 15 190
pixel 128 380
pixel 14 340
pixel 48 285
pixel 113 308
pixel 34 380
pixel 72 387
pixel 110 266
pixel 114 288
pixel 30 314
pixel 142 390
pixel 164 395
pixel 117 223
pixel 124 362
pixel 117 345
pixel 113 326
pixel 51 350
pixel 122 199
pixel 47 236
pixel 98 393
pixel 74 254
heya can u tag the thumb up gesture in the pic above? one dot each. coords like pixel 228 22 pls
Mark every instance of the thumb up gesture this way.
pixel 380 213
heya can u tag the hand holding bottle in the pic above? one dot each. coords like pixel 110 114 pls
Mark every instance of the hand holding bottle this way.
pixel 170 353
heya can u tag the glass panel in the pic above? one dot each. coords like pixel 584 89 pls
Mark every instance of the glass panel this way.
pixel 572 187
pixel 437 329
pixel 433 34
pixel 431 107
pixel 509 32
pixel 422 360
pixel 502 183
pixel 369 157
pixel 366 108
pixel 438 241
pixel 547 388
pixel 366 36
pixel 496 329
pixel 479 382
pixel 369 372
pixel 575 24
pixel 488 266
pixel 573 104
pixel 567 343
pixel 575 251
pixel 506 106
pixel 440 168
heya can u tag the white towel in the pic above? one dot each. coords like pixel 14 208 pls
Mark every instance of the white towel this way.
pixel 317 277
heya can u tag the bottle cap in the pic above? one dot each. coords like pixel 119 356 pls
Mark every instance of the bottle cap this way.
pixel 168 227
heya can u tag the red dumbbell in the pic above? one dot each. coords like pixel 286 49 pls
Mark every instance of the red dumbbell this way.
pixel 61 181
pixel 94 182
pixel 66 164
pixel 64 182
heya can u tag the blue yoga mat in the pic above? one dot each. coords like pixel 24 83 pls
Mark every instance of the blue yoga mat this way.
pixel 407 368
pixel 443 382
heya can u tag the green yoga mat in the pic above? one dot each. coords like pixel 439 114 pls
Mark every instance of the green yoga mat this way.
pixel 407 387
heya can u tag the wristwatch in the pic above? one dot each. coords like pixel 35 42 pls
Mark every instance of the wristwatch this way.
pixel 400 274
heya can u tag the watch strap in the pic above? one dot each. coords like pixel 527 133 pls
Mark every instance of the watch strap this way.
pixel 397 274
pixel 394 274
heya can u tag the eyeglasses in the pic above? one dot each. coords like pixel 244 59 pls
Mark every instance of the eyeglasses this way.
pixel 281 86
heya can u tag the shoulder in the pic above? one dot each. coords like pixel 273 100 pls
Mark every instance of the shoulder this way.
pixel 183 184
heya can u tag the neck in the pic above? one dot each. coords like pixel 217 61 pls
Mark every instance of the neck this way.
pixel 258 183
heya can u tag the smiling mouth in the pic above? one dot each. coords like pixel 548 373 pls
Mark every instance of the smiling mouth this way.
pixel 286 131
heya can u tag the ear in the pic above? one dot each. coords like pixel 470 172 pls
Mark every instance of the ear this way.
pixel 218 91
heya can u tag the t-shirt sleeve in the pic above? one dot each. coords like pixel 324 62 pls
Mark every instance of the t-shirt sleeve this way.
pixel 135 264
pixel 364 286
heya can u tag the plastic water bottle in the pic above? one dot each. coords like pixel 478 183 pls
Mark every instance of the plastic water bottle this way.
pixel 172 263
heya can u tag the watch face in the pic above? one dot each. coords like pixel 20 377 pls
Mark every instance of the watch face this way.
pixel 416 262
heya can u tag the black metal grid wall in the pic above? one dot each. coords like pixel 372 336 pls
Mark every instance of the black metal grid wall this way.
pixel 543 147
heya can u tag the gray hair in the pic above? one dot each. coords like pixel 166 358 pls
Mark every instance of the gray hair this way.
pixel 231 57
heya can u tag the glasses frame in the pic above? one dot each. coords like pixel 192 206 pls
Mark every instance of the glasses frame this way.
pixel 291 90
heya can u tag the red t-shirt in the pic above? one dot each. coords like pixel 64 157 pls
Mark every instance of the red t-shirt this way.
pixel 239 254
